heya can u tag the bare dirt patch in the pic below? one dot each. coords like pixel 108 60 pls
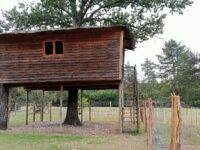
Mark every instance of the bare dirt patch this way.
pixel 88 128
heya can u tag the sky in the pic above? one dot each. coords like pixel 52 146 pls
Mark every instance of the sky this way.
pixel 182 28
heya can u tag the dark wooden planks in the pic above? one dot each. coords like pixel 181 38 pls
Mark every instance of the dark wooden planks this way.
pixel 89 55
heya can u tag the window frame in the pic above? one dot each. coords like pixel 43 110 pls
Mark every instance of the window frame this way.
pixel 54 48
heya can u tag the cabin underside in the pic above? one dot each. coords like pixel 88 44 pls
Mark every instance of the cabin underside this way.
pixel 55 86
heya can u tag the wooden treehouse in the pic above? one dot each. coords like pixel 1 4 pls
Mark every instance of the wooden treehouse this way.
pixel 80 58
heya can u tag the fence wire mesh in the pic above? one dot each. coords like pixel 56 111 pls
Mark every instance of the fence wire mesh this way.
pixel 162 125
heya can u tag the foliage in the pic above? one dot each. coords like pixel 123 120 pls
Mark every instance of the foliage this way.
pixel 178 71
pixel 19 96
pixel 144 17
pixel 101 95
pixel 149 68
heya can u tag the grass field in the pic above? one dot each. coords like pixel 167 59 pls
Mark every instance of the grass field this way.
pixel 32 141
pixel 22 141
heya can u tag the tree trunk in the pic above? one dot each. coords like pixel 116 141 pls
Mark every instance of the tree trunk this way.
pixel 72 109
pixel 3 107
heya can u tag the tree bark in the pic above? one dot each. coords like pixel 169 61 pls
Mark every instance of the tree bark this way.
pixel 3 107
pixel 72 109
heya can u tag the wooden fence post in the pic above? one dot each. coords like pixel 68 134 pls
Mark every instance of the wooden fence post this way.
pixel 33 111
pixel 175 124
pixel 145 116
pixel 150 126
pixel 50 108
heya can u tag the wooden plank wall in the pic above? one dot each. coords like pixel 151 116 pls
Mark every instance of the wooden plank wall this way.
pixel 88 56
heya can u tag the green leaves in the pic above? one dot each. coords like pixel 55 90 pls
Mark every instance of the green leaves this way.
pixel 144 17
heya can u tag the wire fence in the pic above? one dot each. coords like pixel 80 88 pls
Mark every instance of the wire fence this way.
pixel 190 124
pixel 108 112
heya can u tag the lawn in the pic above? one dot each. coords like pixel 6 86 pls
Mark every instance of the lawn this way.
pixel 190 135
pixel 27 141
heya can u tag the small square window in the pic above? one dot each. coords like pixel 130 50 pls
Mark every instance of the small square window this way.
pixel 49 48
pixel 59 47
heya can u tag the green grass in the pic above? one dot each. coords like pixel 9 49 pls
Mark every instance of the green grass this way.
pixel 195 140
pixel 16 141
pixel 23 141
pixel 19 141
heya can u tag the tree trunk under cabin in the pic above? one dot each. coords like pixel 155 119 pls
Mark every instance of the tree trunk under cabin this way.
pixel 3 107
pixel 72 109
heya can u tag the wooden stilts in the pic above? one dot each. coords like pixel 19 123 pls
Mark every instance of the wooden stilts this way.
pixel 42 108
pixel 3 107
pixel 120 108
pixel 61 104
pixel 50 109
pixel 15 108
pixel 27 102
pixel 81 106
pixel 34 111
pixel 9 104
pixel 90 115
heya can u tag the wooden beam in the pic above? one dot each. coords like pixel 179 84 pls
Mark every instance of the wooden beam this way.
pixel 50 110
pixel 42 108
pixel 3 107
pixel 9 104
pixel 61 104
pixel 90 111
pixel 81 106
pixel 34 111
pixel 27 102
pixel 120 107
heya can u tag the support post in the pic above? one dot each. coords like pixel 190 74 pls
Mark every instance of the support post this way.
pixel 34 111
pixel 175 124
pixel 120 108
pixel 150 126
pixel 61 104
pixel 110 105
pixel 90 115
pixel 42 108
pixel 15 107
pixel 50 109
pixel 9 104
pixel 27 102
pixel 81 106
pixel 3 107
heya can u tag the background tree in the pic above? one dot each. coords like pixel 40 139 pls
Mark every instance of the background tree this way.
pixel 179 71
pixel 177 65
pixel 144 17
pixel 149 68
